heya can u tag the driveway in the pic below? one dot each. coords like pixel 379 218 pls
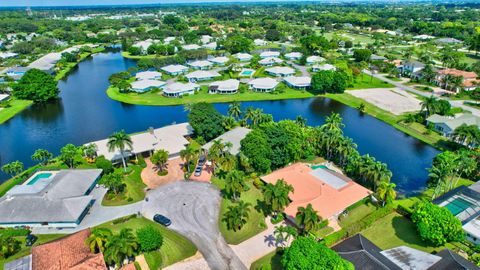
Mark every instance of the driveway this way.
pixel 151 178
pixel 194 208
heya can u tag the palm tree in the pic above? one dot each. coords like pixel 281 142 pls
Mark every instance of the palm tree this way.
pixel 301 121
pixel 333 123
pixel 386 192
pixel 234 109
pixel 229 123
pixel 189 154
pixel 121 141
pixel 160 158
pixel 120 246
pixel 216 152
pixel 307 218
pixel 228 162
pixel 97 239
pixel 235 183
pixel 284 233
pixel 42 155
pixel 13 168
pixel 249 114
pixel 237 215
pixel 276 196
pixel 429 105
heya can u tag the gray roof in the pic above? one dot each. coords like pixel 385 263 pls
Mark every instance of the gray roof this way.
pixel 24 263
pixel 455 121
pixel 375 57
pixel 410 258
pixel 448 40
pixel 233 136
pixel 330 177
pixel 413 63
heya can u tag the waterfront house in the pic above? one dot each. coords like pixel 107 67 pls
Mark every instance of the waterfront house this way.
pixel 175 70
pixel 446 125
pixel 260 42
pixel 302 82
pixel 144 45
pixel 316 68
pixel 202 75
pixel 206 39
pixel 16 73
pixel 219 60
pixel 313 59
pixel 52 199
pixel 263 84
pixel 293 55
pixel 469 79
pixel 148 75
pixel 146 85
pixel 210 46
pixel 280 71
pixel 269 54
pixel 229 86
pixel 190 47
pixel 172 138
pixel 270 61
pixel 47 62
pixel 200 64
pixel 328 191
pixel 423 37
pixel 243 57
pixel 234 136
pixel 177 89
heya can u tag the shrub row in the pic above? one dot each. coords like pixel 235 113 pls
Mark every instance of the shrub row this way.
pixel 13 232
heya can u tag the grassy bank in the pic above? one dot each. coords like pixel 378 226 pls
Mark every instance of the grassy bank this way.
pixel 70 66
pixel 15 106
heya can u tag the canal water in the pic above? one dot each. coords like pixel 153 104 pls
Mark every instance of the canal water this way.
pixel 85 113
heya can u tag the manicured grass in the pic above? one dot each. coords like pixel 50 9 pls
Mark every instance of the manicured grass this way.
pixel 134 190
pixel 271 261
pixel 256 221
pixel 24 251
pixel 356 214
pixel 150 56
pixel 364 81
pixel 395 230
pixel 157 99
pixel 15 106
pixel 174 249
pixel 68 68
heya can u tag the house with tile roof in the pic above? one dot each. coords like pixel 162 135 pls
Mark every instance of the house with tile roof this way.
pixel 469 79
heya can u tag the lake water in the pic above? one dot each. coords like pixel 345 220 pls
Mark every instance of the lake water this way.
pixel 85 114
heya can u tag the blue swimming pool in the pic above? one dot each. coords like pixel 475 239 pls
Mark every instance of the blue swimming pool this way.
pixel 38 177
pixel 246 72
pixel 458 205
pixel 319 166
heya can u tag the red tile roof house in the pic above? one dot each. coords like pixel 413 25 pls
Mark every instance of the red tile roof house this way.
pixel 470 81
pixel 329 192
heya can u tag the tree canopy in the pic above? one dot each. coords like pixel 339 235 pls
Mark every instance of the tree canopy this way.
pixel 36 85
pixel 205 120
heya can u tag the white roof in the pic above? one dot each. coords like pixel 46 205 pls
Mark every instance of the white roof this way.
pixel 315 59
pixel 200 63
pixel 170 138
pixel 270 60
pixel 293 55
pixel 211 45
pixel 281 70
pixel 219 59
pixel 227 85
pixel 46 62
pixel 189 47
pixel 174 68
pixel 178 87
pixel 168 39
pixel 298 81
pixel 205 39
pixel 233 136
pixel 473 227
pixel 143 44
pixel 5 55
pixel 263 83
pixel 243 56
pixel 259 42
pixel 202 74
pixel 147 75
pixel 3 97
pixel 325 67
pixel 144 84
pixel 269 54
pixel 423 37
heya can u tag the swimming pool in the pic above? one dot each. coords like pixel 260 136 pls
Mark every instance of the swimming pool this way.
pixel 246 72
pixel 319 166
pixel 38 177
pixel 458 205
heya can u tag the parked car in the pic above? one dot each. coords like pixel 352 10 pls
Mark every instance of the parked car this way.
pixel 30 240
pixel 198 171
pixel 201 160
pixel 162 220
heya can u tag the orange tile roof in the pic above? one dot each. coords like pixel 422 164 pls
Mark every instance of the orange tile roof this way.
pixel 129 266
pixel 325 199
pixel 69 252
pixel 455 72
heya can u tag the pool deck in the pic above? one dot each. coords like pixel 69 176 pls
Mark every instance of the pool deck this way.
pixel 31 178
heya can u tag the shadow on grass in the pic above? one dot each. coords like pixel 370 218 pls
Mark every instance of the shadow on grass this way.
pixel 406 231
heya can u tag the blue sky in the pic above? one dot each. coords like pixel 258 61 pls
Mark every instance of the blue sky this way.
pixel 103 2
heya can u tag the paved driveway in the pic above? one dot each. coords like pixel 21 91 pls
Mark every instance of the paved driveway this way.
pixel 193 208
pixel 151 178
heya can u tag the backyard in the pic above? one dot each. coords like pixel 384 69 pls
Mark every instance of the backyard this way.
pixel 134 188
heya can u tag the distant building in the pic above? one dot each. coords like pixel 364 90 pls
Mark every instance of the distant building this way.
pixel 280 71
pixel 448 41
pixel 313 59
pixel 202 75
pixel 270 61
pixel 200 64
pixel 210 46
pixel 298 82
pixel 269 54
pixel 243 57
pixel 190 47
pixel 146 85
pixel 263 84
pixel 175 69
pixel 16 72
pixel 148 75
pixel 229 86
pixel 375 57
pixel 260 42
pixel 144 45
pixel 293 55
pixel 316 68
pixel 411 67
pixel 219 60
pixel 5 55
pixel 177 89
pixel 423 37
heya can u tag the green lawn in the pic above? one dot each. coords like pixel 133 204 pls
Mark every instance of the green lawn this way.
pixel 174 249
pixel 271 261
pixel 67 68
pixel 134 191
pixel 15 106
pixel 395 230
pixel 364 81
pixel 256 220
pixel 356 214
pixel 24 251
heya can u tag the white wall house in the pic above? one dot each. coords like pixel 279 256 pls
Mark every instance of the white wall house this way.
pixel 268 54
pixel 200 64
pixel 293 55
pixel 202 75
pixel 270 61
pixel 146 85
pixel 302 82
pixel 263 84
pixel 280 71
pixel 175 69
pixel 177 89
pixel 229 86
pixel 243 57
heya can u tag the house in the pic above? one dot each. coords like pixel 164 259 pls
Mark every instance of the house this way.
pixel 375 57
pixel 313 59
pixel 364 254
pixel 269 54
pixel 177 89
pixel 229 86
pixel 447 124
pixel 47 62
pixel 200 64
pixel 219 60
pixel 302 82
pixel 411 67
pixel 260 42
pixel 171 138
pixel 146 85
pixel 243 57
pixel 234 136
pixel 168 40
pixel 202 75
pixel 4 97
pixel 190 47
pixel 5 55
pixel 52 199
pixel 423 37
pixel 263 84
pixel 316 68
pixel 175 69
pixel 450 41
pixel 328 191
pixel 270 61
pixel 293 55
pixel 148 75
pixel 67 253
pixel 144 45
pixel 469 78
pixel 16 73
pixel 210 46
pixel 205 39
pixel 280 71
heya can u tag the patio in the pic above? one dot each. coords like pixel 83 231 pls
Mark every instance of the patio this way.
pixel 153 180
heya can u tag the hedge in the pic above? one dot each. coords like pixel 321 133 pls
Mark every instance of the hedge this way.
pixel 12 232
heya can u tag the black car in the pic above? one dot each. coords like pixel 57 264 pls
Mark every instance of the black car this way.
pixel 201 160
pixel 162 220
pixel 30 240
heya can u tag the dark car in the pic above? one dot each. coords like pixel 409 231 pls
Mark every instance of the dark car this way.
pixel 198 171
pixel 201 160
pixel 30 240
pixel 162 220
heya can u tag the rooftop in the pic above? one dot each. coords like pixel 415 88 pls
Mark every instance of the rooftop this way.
pixel 269 54
pixel 293 55
pixel 202 74
pixel 281 70
pixel 219 59
pixel 234 136
pixel 455 121
pixel 148 75
pixel 314 59
pixel 174 68
pixel 200 63
pixel 230 84
pixel 145 84
pixel 191 47
pixel 298 81
pixel 263 83
pixel 178 87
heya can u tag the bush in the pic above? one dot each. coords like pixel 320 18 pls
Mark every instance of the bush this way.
pixel 149 238
pixel 8 247
pixel 141 161
pixel 102 163
pixel 12 232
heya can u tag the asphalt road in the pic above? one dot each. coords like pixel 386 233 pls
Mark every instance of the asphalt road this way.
pixel 193 208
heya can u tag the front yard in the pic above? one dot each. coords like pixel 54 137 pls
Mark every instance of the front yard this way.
pixel 134 188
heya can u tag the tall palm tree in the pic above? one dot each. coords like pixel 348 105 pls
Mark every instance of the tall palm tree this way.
pixel 276 196
pixel 97 239
pixel 189 154
pixel 333 123
pixel 307 218
pixel 229 123
pixel 121 141
pixel 386 192
pixel 235 183
pixel 429 105
pixel 120 246
pixel 284 233
pixel 234 109
pixel 237 215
